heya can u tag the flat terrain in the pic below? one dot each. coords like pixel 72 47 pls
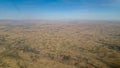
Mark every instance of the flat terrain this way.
pixel 59 44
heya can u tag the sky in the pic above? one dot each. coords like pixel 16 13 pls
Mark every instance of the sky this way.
pixel 60 9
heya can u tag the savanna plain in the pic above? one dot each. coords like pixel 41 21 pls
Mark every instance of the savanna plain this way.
pixel 59 44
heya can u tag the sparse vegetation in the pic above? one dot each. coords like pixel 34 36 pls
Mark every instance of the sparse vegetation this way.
pixel 60 45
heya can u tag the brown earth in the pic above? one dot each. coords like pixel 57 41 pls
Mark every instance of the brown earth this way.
pixel 59 44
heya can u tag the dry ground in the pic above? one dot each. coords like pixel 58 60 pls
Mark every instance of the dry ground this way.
pixel 59 44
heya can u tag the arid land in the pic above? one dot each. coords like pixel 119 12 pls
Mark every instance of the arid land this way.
pixel 59 44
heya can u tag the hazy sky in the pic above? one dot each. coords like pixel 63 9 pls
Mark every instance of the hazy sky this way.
pixel 60 9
